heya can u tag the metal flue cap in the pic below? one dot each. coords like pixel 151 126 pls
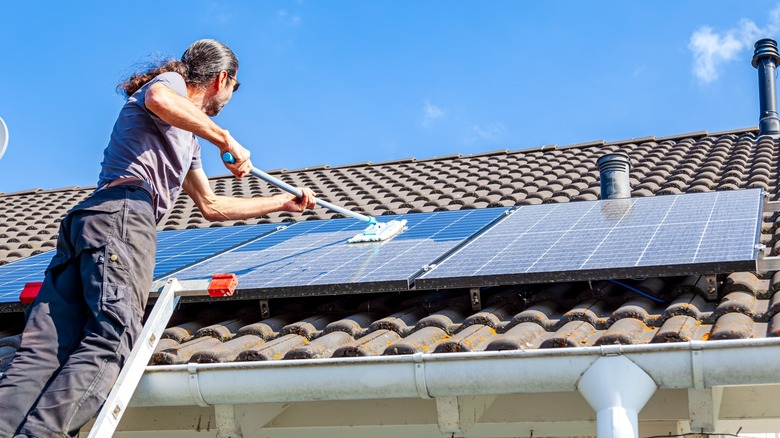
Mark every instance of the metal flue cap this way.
pixel 613 172
pixel 766 47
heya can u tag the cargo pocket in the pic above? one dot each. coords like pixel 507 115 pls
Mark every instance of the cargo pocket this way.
pixel 117 297
pixel 114 303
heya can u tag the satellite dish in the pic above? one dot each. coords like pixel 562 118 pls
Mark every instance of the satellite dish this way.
pixel 3 137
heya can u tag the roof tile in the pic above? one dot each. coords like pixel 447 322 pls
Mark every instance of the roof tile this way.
pixel 472 338
pixel 627 331
pixel 321 347
pixel 272 350
pixel 423 340
pixel 182 353
pixel 680 328
pixel 733 326
pixel 573 334
pixel 227 351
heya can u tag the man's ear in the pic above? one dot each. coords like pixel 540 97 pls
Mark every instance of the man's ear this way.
pixel 221 81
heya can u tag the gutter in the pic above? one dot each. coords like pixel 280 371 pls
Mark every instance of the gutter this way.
pixel 694 364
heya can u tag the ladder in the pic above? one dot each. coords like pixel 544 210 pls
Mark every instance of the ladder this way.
pixel 220 285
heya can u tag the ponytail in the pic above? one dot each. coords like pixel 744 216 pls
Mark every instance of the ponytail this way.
pixel 199 65
pixel 138 80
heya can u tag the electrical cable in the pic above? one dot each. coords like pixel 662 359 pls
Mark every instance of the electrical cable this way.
pixel 635 290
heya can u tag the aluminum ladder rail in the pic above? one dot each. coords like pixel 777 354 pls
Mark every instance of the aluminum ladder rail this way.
pixel 116 404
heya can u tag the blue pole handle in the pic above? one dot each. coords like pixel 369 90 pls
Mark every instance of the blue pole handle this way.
pixel 229 158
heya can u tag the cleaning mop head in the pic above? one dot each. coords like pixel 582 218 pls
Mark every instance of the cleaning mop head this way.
pixel 379 231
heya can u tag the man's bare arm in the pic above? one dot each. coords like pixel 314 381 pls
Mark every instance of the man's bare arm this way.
pixel 215 207
pixel 180 112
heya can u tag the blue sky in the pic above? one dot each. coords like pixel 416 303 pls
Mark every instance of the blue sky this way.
pixel 339 82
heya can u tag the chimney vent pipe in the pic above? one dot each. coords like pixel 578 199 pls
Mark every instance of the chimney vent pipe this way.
pixel 766 59
pixel 613 170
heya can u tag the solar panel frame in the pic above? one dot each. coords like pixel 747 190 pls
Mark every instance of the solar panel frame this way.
pixel 318 250
pixel 595 251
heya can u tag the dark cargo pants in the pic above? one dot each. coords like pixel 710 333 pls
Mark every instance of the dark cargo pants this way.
pixel 85 319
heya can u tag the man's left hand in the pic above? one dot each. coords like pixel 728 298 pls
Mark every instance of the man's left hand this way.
pixel 296 204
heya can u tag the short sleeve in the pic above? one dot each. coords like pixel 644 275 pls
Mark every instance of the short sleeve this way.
pixel 172 80
pixel 195 163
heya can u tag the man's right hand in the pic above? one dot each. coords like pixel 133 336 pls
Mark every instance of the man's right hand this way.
pixel 242 165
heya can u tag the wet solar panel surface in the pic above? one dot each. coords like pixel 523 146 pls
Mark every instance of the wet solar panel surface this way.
pixel 313 257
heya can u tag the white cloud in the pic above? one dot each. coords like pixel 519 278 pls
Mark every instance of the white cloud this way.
pixel 712 49
pixel 492 132
pixel 431 113
pixel 293 20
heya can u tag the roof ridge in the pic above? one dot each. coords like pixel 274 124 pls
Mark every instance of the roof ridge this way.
pixel 41 190
pixel 544 148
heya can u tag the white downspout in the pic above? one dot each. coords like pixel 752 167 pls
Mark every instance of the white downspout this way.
pixel 617 389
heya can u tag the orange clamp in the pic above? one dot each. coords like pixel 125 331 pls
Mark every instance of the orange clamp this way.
pixel 223 285
pixel 30 291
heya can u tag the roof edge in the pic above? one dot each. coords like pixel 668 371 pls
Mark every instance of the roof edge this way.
pixel 453 374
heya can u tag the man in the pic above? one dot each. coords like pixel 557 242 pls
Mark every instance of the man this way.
pixel 87 315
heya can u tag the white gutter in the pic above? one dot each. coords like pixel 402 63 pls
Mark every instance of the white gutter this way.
pixel 695 364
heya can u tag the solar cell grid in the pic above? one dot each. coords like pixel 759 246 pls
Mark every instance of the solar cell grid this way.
pixel 14 276
pixel 313 256
pixel 176 249
pixel 664 235
pixel 670 235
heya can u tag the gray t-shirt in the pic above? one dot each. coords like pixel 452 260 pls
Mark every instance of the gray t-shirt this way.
pixel 144 146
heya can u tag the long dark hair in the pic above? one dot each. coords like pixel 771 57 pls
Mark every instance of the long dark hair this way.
pixel 199 65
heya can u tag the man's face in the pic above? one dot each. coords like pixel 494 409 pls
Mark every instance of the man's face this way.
pixel 212 105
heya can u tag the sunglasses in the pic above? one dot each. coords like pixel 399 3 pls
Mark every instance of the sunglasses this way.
pixel 236 85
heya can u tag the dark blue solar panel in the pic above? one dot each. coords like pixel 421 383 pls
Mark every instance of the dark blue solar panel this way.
pixel 664 235
pixel 13 276
pixel 313 256
pixel 176 250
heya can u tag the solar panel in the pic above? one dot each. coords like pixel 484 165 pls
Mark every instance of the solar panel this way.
pixel 176 249
pixel 313 257
pixel 655 236
pixel 13 276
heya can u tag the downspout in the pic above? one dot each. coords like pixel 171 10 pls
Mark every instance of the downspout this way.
pixel 766 59
pixel 617 390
